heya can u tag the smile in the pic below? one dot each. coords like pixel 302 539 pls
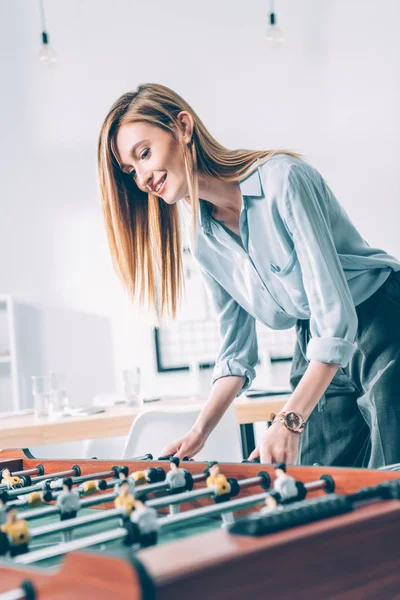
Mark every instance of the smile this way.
pixel 160 185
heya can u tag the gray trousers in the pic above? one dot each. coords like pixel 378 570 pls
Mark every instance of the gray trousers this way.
pixel 357 420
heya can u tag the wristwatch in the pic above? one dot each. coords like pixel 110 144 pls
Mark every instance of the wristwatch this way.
pixel 291 420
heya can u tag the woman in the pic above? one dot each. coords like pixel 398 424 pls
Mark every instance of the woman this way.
pixel 273 244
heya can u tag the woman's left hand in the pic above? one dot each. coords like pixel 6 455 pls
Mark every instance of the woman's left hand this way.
pixel 277 445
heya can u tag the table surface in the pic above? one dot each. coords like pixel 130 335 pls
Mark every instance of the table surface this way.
pixel 25 430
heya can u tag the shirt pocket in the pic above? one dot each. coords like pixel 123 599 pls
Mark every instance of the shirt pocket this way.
pixel 290 277
pixel 285 265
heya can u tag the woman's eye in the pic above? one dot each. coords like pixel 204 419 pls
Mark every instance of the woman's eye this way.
pixel 143 155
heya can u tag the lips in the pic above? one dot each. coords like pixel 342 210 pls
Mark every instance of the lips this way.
pixel 161 180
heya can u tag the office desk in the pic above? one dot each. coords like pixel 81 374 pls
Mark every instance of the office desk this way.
pixel 25 431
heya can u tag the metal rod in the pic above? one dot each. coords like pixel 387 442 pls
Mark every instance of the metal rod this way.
pixel 47 511
pixel 312 486
pixel 105 515
pixel 71 471
pixel 17 594
pixel 209 511
pixel 64 548
pixel 165 523
pixel 62 526
pixel 39 469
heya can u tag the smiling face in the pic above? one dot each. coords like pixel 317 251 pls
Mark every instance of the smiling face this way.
pixel 153 156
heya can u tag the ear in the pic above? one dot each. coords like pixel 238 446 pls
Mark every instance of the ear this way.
pixel 186 124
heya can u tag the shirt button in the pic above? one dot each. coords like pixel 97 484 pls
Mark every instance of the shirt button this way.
pixel 274 268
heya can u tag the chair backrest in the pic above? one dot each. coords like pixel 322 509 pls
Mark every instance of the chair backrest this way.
pixel 155 428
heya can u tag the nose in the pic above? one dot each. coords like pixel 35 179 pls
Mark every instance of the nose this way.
pixel 143 179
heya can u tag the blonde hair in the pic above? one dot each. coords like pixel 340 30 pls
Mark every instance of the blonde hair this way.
pixel 143 231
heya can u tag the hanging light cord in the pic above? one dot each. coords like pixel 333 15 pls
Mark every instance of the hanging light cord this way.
pixel 272 19
pixel 45 37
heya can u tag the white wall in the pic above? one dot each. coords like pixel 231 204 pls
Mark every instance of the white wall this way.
pixel 332 93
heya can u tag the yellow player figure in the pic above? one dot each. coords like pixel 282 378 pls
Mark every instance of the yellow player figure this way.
pixel 38 498
pixel 87 488
pixel 125 501
pixel 218 480
pixel 140 477
pixel 17 531
pixel 272 503
pixel 9 480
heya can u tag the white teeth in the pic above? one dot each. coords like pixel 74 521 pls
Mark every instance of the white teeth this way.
pixel 160 184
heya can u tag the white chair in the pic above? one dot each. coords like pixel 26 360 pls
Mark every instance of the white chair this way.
pixel 155 428
pixel 104 448
pixel 64 450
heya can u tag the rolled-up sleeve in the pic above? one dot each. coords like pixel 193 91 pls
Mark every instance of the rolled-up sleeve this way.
pixel 238 352
pixel 333 320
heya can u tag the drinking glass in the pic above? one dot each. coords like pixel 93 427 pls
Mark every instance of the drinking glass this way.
pixel 42 396
pixel 132 386
pixel 59 391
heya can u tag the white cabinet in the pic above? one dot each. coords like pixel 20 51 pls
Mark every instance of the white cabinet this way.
pixel 37 339
pixel 9 384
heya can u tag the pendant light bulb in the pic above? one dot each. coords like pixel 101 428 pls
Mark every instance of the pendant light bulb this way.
pixel 274 35
pixel 47 54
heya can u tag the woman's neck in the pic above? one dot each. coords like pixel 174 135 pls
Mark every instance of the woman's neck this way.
pixel 225 197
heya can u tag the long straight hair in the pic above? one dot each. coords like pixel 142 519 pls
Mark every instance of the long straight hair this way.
pixel 143 231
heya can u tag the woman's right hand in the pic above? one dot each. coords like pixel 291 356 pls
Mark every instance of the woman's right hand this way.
pixel 189 445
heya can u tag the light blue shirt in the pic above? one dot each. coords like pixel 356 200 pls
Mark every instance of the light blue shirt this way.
pixel 300 258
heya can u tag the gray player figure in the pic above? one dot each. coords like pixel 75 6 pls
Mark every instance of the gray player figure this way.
pixel 68 503
pixel 145 521
pixel 124 476
pixel 284 484
pixel 3 502
pixel 176 479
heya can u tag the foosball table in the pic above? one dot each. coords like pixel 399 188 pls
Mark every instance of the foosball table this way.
pixel 145 529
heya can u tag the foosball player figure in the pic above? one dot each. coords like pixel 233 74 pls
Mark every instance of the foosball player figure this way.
pixel 176 477
pixel 3 503
pixel 177 482
pixel 68 503
pixel 284 484
pixel 17 531
pixel 145 525
pixel 9 480
pixel 125 501
pixel 4 543
pixel 123 474
pixel 152 475
pixel 87 488
pixel 272 503
pixel 219 481
pixel 38 498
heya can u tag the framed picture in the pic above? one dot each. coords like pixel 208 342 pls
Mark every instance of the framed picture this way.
pixel 194 335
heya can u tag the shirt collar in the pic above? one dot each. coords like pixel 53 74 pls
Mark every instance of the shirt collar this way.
pixel 249 186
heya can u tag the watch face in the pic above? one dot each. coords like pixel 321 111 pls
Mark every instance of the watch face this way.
pixel 292 420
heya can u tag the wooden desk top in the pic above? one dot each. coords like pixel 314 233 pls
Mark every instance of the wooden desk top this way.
pixel 24 431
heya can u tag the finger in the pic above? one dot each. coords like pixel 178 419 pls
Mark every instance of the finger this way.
pixel 278 455
pixel 254 454
pixel 182 452
pixel 266 457
pixel 171 448
pixel 167 451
